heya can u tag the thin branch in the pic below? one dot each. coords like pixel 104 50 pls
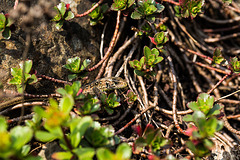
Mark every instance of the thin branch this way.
pixel 90 10
pixel 109 51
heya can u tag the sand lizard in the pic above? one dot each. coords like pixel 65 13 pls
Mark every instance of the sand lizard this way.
pixel 103 84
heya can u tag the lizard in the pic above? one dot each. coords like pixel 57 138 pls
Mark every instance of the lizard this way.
pixel 103 84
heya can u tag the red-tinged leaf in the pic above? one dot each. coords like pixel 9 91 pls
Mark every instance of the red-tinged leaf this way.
pixel 190 130
pixel 67 6
pixel 152 40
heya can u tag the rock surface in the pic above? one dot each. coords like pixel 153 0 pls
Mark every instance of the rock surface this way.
pixel 50 48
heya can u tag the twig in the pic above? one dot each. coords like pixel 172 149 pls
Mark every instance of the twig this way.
pixel 111 45
pixel 136 117
pixel 143 90
pixel 236 19
pixel 90 10
pixel 102 40
pixel 228 126
pixel 53 79
pixel 212 40
pixel 29 116
pixel 174 81
pixel 219 82
pixel 116 54
pixel 105 62
pixel 227 95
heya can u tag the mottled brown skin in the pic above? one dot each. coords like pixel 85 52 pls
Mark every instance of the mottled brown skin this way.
pixel 103 84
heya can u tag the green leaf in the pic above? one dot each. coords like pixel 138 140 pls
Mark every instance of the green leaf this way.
pixel 62 8
pixel 6 33
pixel 62 91
pixel 33 79
pixel 215 110
pixel 158 60
pixel 73 64
pixel 9 22
pixel 104 154
pixel 197 115
pixel 188 118
pixel 3 124
pixel 44 136
pixel 211 126
pixel 124 151
pixel 139 73
pixel 220 125
pixel 136 15
pixel 194 106
pixel 155 52
pixel 66 104
pixel 90 106
pixel 160 7
pixel 58 17
pixel 147 52
pixel 69 15
pixel 235 64
pixel 62 155
pixel 85 64
pixel 141 62
pixel 72 76
pixel 20 136
pixel 16 72
pixel 84 153
pixel 59 24
pixel 25 150
pixel 28 66
pixel 20 89
pixel 78 128
pixel 2 21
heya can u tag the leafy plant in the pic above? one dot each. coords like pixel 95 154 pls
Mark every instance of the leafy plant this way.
pixel 218 58
pixel 97 14
pixel 151 139
pixel 17 74
pixel 63 14
pixel 13 143
pixel 100 136
pixel 189 8
pixel 74 66
pixel 121 4
pixel 5 24
pixel 131 97
pixel 205 104
pixel 90 105
pixel 147 9
pixel 159 39
pixel 123 152
pixel 72 90
pixel 109 102
pixel 205 124
pixel 147 62
pixel 200 143
pixel 235 64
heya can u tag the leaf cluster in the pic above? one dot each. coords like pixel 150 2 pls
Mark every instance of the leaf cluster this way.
pixel 17 74
pixel 147 62
pixel 63 14
pixel 74 65
pixel 147 9
pixel 205 124
pixel 189 8
pixel 13 143
pixel 151 139
pixel 97 14
pixel 5 24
